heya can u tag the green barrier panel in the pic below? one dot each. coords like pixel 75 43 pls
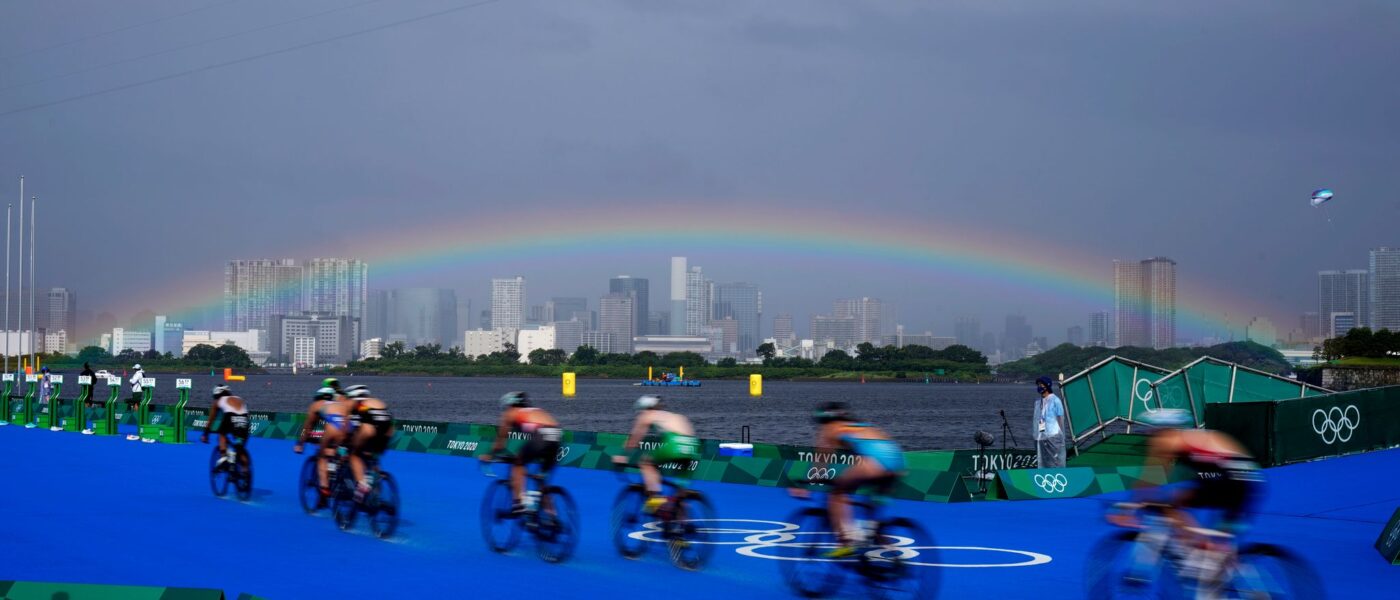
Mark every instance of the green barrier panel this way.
pixel 1388 544
pixel 1039 484
pixel 31 385
pixel 81 406
pixel 1280 432
pixel 1112 390
pixel 29 590
pixel 161 423
pixel 51 413
pixel 12 413
pixel 1208 380
pixel 105 422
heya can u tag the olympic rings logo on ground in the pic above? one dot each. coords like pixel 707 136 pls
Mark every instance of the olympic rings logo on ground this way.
pixel 821 473
pixel 1337 424
pixel 1052 484
pixel 760 537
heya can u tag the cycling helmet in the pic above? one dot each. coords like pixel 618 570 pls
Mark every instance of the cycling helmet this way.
pixel 221 390
pixel 513 399
pixel 356 392
pixel 331 382
pixel 325 393
pixel 646 402
pixel 1168 418
pixel 832 411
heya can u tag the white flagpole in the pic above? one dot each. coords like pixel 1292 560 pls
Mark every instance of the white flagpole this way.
pixel 20 288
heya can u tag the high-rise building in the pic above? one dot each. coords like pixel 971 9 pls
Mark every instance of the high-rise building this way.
pixel 602 341
pixel 1015 337
pixel 1311 325
pixel 1385 289
pixel 1098 328
pixel 698 301
pixel 485 319
pixel 337 287
pixel 638 288
pixel 255 290
pixel 1075 335
pixel 564 309
pixel 1341 322
pixel 838 333
pixel 680 277
pixel 868 314
pixel 314 339
pixel 783 331
pixel 568 335
pixel 1144 303
pixel 376 323
pixel 618 316
pixel 58 311
pixel 422 316
pixel 659 321
pixel 129 339
pixel 169 336
pixel 743 303
pixel 968 331
pixel 729 328
pixel 535 315
pixel 1344 292
pixel 508 303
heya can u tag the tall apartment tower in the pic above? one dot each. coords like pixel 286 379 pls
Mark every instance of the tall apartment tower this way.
pixel 638 288
pixel 1343 300
pixel 742 302
pixel 58 311
pixel 255 290
pixel 679 277
pixel 868 314
pixel 782 330
pixel 617 315
pixel 338 287
pixel 698 301
pixel 507 303
pixel 1144 303
pixel 1098 328
pixel 1385 289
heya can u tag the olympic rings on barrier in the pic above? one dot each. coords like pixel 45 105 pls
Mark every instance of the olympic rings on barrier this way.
pixel 1338 424
pixel 1146 399
pixel 1052 484
pixel 821 473
pixel 776 534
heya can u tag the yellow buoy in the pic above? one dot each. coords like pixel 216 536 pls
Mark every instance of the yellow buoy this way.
pixel 569 385
pixel 755 385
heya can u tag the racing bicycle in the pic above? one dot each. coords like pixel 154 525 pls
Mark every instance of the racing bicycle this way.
pixel 1150 556
pixel 549 515
pixel 235 468
pixel 678 522
pixel 380 504
pixel 884 562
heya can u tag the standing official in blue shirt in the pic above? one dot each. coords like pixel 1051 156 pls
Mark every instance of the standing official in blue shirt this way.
pixel 1049 422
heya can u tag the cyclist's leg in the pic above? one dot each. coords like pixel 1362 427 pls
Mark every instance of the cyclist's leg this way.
pixel 357 445
pixel 838 501
pixel 330 441
pixel 548 457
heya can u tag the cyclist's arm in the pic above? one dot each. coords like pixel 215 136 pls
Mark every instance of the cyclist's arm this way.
pixel 502 431
pixel 213 414
pixel 312 418
pixel 639 431
pixel 826 446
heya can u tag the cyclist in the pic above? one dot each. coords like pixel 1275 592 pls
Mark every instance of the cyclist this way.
pixel 231 414
pixel 373 427
pixel 325 408
pixel 881 464
pixel 541 445
pixel 1227 478
pixel 676 446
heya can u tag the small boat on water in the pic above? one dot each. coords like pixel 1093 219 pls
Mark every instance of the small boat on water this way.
pixel 669 380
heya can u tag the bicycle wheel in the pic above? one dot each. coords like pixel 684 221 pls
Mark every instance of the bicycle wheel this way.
pixel 309 485
pixel 627 518
pixel 556 537
pixel 1267 571
pixel 687 538
pixel 218 474
pixel 384 509
pixel 243 474
pixel 801 563
pixel 499 527
pixel 344 507
pixel 887 564
pixel 1120 566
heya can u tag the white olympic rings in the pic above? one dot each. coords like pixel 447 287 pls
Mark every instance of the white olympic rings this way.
pixel 1337 424
pixel 1145 398
pixel 1052 484
pixel 778 534
pixel 821 473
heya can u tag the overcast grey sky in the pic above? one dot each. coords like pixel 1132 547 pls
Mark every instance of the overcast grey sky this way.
pixel 1194 130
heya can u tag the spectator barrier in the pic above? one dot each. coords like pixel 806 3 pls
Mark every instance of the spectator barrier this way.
pixel 1279 432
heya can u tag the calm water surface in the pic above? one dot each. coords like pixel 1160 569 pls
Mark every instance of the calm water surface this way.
pixel 920 416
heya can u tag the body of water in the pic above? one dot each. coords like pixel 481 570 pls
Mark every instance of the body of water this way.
pixel 920 416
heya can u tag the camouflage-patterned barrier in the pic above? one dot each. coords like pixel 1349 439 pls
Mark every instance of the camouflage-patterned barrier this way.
pixel 29 590
pixel 933 476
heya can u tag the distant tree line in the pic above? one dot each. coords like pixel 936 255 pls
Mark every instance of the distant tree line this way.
pixel 1070 359
pixel 201 356
pixel 1360 342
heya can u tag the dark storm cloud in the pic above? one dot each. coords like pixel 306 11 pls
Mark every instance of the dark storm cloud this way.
pixel 1188 129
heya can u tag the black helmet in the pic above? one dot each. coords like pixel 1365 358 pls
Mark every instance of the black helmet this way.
pixel 220 391
pixel 832 411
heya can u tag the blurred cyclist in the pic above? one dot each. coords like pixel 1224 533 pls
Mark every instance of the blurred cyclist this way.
pixel 1226 477
pixel 541 444
pixel 881 464
pixel 231 414
pixel 325 408
pixel 369 438
pixel 676 446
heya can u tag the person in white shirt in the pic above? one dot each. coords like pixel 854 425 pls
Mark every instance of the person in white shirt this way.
pixel 1050 425
pixel 134 402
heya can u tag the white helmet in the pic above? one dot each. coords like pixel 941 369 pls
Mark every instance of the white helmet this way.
pixel 647 402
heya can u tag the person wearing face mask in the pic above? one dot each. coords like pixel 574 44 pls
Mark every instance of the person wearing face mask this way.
pixel 1049 425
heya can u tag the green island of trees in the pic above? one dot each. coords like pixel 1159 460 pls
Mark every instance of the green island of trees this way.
pixel 199 358
pixel 956 363
pixel 1070 359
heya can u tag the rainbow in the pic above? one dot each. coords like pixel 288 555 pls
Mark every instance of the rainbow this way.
pixel 903 247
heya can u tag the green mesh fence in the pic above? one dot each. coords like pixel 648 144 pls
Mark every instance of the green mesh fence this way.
pixel 1212 381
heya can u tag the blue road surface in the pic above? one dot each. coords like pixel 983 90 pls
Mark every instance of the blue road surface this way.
pixel 105 510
